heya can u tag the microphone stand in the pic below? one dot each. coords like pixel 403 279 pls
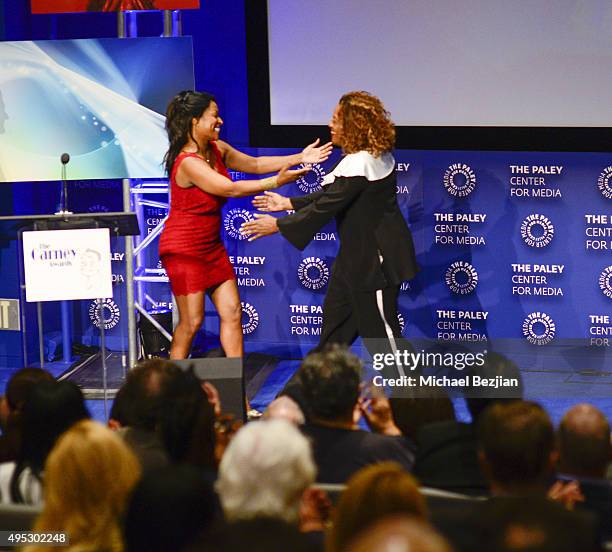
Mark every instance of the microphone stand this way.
pixel 65 158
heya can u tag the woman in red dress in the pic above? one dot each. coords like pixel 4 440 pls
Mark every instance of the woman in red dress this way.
pixel 190 245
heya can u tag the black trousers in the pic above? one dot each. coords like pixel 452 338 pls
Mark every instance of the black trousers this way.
pixel 371 315
pixel 348 314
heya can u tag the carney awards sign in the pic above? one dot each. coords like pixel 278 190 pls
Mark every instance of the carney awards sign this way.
pixel 67 264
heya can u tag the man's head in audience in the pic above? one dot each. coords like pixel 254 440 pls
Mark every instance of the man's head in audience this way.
pixel 399 534
pixel 285 408
pixel 264 472
pixel 330 384
pixel 584 442
pixel 137 403
pixel 517 447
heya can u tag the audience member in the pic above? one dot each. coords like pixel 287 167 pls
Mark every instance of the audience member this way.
pixel 89 476
pixel 518 456
pixel 260 534
pixel 136 411
pixel 265 471
pixel 372 494
pixel 187 421
pixel 169 508
pixel 330 384
pixel 50 409
pixel 447 451
pixel 11 406
pixel 584 454
pixel 399 534
pixel 284 407
pixel 426 406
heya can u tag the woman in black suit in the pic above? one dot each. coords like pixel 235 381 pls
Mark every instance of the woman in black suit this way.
pixel 376 247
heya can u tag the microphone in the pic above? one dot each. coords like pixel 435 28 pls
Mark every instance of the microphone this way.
pixel 64 159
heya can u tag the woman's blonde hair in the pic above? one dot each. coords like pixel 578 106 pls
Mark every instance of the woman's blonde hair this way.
pixel 89 476
pixel 374 493
pixel 366 124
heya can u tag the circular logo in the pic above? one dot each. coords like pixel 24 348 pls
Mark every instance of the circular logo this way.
pixel 604 182
pixel 605 281
pixel 459 180
pixel 234 219
pixel 539 328
pixel 537 231
pixel 461 278
pixel 311 181
pixel 313 273
pixel 250 318
pixel 402 322
pixel 110 313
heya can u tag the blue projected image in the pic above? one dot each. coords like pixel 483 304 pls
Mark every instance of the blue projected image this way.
pixel 94 99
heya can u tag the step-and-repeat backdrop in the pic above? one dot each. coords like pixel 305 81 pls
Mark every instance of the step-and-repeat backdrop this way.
pixel 512 246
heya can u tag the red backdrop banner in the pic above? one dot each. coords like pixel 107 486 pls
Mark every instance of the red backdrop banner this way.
pixel 70 6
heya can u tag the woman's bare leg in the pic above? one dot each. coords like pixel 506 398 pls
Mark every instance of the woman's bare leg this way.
pixel 191 315
pixel 226 299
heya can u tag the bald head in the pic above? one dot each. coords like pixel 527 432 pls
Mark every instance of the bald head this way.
pixel 399 534
pixel 285 408
pixel 584 442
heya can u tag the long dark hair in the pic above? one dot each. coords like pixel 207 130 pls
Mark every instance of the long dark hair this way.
pixel 185 106
pixel 187 421
pixel 50 409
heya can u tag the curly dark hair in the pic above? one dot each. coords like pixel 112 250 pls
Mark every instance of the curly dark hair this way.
pixel 184 107
pixel 330 382
pixel 366 124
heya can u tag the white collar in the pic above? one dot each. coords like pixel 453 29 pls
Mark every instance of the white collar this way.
pixel 362 163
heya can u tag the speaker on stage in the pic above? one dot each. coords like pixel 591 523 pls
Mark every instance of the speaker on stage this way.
pixel 227 375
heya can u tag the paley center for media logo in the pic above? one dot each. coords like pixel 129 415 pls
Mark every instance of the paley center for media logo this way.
pixel 459 180
pixel 111 314
pixel 313 273
pixel 461 278
pixel 250 318
pixel 605 281
pixel 234 219
pixel 537 230
pixel 604 182
pixel 311 181
pixel 539 328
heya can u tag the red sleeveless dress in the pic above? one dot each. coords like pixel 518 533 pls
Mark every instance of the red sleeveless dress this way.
pixel 190 245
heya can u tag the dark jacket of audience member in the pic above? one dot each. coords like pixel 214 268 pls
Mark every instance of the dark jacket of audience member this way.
pixel 169 508
pixel 330 386
pixel 584 454
pixel 254 535
pixel 18 389
pixel 518 456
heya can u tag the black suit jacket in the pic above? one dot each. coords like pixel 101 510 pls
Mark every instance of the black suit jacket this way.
pixel 487 526
pixel 368 220
pixel 447 458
